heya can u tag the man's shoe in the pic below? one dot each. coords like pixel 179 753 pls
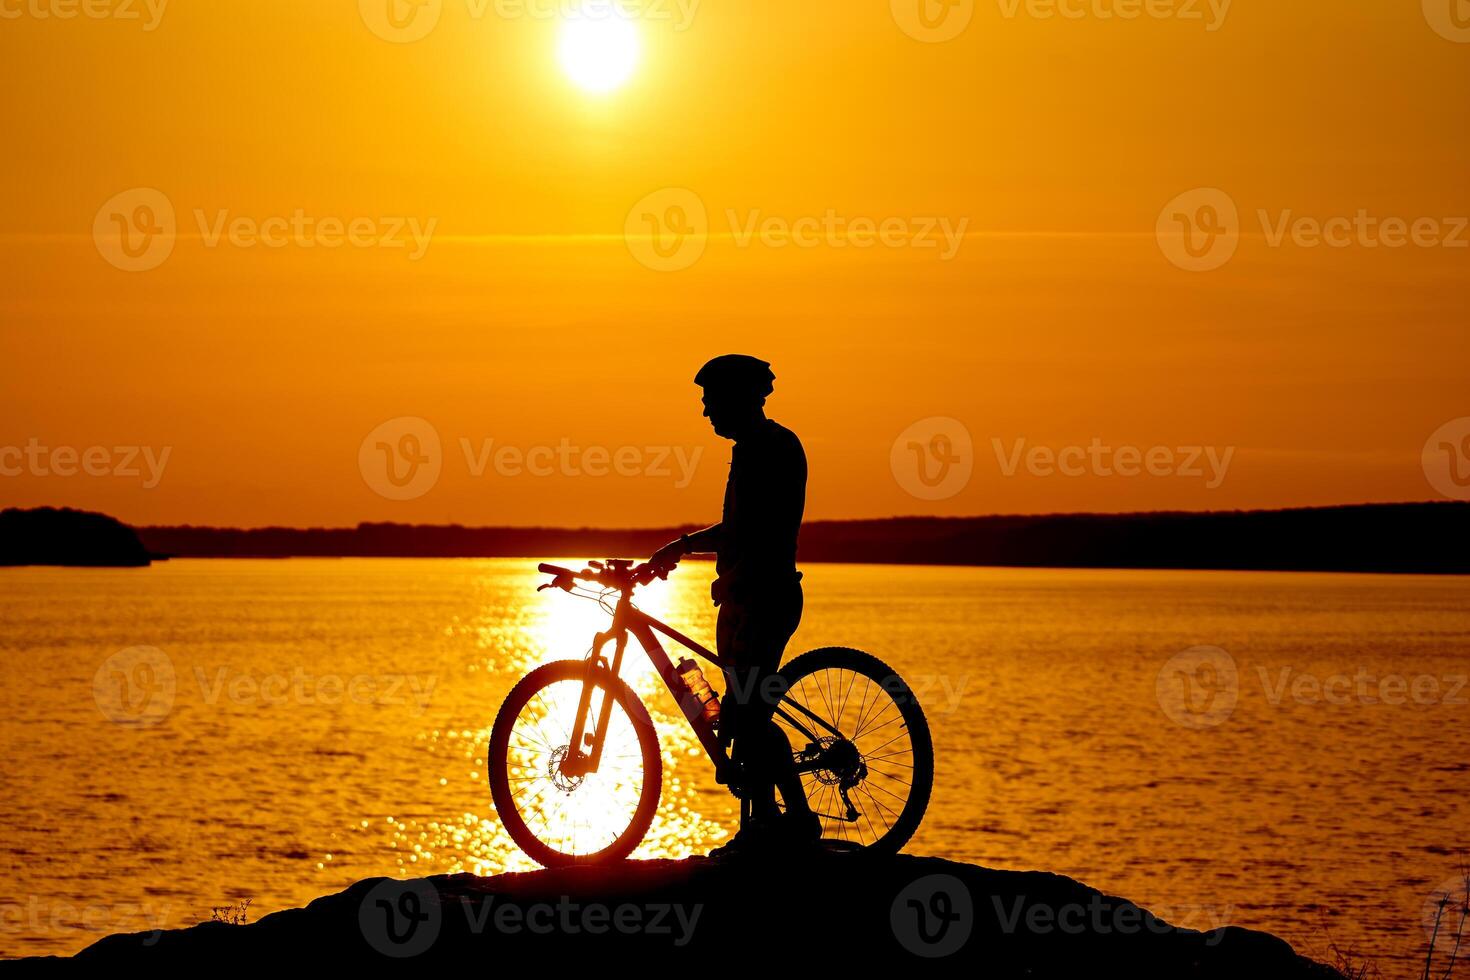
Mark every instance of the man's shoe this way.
pixel 755 837
pixel 791 831
pixel 800 828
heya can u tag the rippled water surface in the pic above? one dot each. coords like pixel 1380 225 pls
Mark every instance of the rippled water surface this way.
pixel 299 725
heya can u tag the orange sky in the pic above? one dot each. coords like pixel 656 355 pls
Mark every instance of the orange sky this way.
pixel 1057 317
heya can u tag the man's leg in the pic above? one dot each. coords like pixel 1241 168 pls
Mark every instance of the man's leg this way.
pixel 764 750
pixel 755 754
pixel 732 643
pixel 773 759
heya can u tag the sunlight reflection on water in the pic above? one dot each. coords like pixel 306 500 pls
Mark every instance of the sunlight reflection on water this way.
pixel 556 628
pixel 328 722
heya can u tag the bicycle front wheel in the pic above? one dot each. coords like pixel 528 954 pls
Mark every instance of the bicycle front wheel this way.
pixel 862 746
pixel 559 817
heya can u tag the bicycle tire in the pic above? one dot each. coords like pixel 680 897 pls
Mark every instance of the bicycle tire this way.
pixel 497 763
pixel 876 671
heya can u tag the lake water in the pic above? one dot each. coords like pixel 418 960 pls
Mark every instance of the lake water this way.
pixel 1282 751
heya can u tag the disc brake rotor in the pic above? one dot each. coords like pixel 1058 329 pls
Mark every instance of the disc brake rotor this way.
pixel 563 782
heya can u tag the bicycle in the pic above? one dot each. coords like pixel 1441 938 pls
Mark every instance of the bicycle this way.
pixel 575 768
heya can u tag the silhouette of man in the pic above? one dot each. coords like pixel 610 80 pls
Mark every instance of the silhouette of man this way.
pixel 757 589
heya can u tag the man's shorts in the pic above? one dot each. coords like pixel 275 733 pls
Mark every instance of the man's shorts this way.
pixel 752 632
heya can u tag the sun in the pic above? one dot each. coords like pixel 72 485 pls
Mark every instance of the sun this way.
pixel 598 53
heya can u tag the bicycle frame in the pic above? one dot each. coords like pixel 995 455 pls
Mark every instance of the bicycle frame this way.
pixel 585 752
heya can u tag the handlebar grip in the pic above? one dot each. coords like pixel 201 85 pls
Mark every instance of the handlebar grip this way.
pixel 546 569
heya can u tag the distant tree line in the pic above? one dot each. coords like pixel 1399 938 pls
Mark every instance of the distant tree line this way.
pixel 1418 537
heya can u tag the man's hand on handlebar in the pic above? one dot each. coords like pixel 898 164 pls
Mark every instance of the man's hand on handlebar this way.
pixel 665 558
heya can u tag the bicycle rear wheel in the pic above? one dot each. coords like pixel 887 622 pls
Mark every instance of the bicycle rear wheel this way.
pixel 560 819
pixel 862 741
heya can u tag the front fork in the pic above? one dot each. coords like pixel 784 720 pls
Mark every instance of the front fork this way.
pixel 584 753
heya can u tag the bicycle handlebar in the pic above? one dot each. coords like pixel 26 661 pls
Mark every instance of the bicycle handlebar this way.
pixel 613 574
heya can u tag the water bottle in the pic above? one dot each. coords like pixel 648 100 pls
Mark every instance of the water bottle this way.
pixel 704 695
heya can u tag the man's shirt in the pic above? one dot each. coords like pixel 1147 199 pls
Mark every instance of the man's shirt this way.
pixel 765 497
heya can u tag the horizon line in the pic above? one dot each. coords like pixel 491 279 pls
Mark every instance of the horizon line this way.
pixel 806 523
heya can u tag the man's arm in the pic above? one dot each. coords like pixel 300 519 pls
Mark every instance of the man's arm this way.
pixel 704 542
pixel 698 543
